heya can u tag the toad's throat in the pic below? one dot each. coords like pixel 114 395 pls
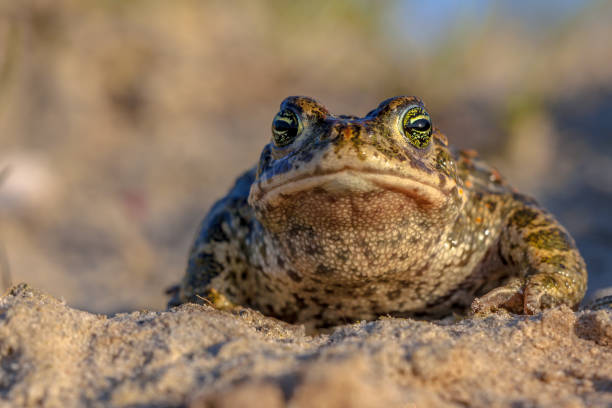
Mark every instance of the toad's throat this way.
pixel 350 181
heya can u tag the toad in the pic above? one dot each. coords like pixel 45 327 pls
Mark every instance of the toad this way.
pixel 347 218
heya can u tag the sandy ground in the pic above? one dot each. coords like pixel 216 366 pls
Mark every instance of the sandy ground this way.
pixel 53 355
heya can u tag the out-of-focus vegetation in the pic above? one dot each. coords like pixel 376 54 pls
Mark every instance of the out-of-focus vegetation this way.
pixel 122 121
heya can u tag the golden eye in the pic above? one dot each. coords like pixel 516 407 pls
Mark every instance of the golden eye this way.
pixel 285 127
pixel 416 126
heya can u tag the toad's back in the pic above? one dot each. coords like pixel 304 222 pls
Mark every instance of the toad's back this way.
pixel 350 218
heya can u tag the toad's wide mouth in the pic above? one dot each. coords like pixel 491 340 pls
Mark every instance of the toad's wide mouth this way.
pixel 349 181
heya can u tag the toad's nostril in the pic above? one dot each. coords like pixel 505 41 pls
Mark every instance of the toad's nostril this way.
pixel 348 133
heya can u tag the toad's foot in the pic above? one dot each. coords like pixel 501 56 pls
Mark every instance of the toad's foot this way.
pixel 218 300
pixel 528 295
pixel 509 297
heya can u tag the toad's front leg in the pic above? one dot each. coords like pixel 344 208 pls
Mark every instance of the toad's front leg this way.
pixel 547 267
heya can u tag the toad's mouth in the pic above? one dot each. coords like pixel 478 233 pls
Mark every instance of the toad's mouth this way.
pixel 349 181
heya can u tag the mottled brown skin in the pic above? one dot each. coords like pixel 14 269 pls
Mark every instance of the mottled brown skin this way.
pixel 353 219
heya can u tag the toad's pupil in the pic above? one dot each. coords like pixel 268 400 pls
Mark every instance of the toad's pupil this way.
pixel 281 126
pixel 419 124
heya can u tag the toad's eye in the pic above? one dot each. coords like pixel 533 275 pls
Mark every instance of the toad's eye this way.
pixel 416 126
pixel 285 127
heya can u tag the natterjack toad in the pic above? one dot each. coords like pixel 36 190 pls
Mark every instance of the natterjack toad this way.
pixel 348 218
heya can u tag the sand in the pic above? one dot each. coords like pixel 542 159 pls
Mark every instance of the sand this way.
pixel 53 355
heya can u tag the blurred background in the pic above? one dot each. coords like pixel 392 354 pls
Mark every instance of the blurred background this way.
pixel 121 122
